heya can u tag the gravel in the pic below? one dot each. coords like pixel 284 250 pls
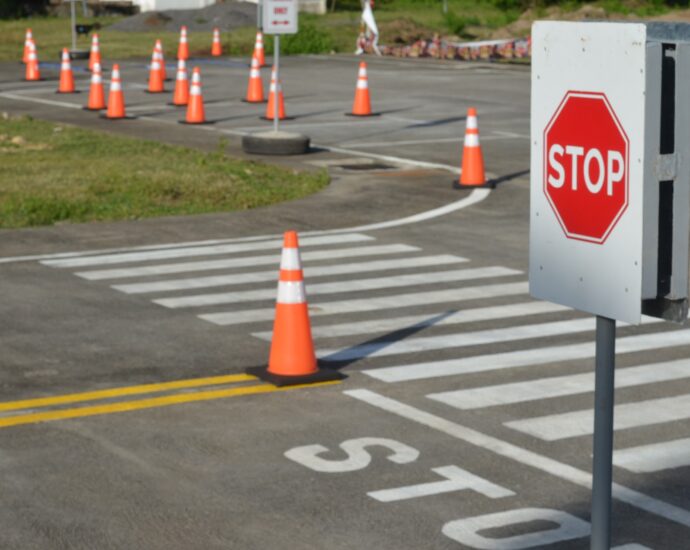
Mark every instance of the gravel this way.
pixel 225 16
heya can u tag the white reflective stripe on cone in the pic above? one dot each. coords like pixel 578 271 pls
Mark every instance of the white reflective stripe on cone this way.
pixel 471 140
pixel 362 73
pixel 471 122
pixel 115 86
pixel 291 292
pixel 290 259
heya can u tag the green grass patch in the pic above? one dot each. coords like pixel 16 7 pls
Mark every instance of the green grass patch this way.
pixel 55 173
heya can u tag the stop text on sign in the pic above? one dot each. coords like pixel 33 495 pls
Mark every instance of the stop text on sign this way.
pixel 586 166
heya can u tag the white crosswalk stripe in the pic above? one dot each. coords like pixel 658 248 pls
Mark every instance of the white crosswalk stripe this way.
pixel 318 309
pixel 655 457
pixel 630 415
pixel 310 272
pixel 165 254
pixel 523 309
pixel 339 287
pixel 560 386
pixel 248 261
pixel 524 358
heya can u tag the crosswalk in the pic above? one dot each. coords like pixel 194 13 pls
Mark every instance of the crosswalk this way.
pixel 401 315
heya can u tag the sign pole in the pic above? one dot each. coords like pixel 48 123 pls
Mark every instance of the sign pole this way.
pixel 73 13
pixel 276 65
pixel 603 433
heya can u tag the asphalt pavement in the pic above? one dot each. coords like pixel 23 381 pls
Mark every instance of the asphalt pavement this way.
pixel 464 420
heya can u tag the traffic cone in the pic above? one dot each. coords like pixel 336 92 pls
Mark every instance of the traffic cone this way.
pixel 155 74
pixel 181 95
pixel 362 103
pixel 472 174
pixel 195 107
pixel 66 85
pixel 32 70
pixel 95 54
pixel 292 359
pixel 255 88
pixel 27 45
pixel 276 89
pixel 259 49
pixel 183 48
pixel 96 97
pixel 116 99
pixel 216 47
pixel 158 52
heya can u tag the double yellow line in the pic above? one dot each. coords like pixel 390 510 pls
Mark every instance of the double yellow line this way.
pixel 149 403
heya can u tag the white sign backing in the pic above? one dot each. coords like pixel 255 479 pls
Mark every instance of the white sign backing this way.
pixel 587 163
pixel 280 16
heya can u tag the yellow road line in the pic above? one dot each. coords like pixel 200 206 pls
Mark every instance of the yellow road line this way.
pixel 153 402
pixel 123 391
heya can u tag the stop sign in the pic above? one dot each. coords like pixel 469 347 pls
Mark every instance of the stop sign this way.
pixel 586 166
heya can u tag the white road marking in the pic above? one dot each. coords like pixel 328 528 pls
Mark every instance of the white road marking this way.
pixel 555 427
pixel 457 479
pixel 655 457
pixel 525 358
pixel 52 102
pixel 520 455
pixel 559 386
pixel 448 341
pixel 458 139
pixel 249 261
pixel 340 287
pixel 375 304
pixel 441 318
pixel 127 257
pixel 309 272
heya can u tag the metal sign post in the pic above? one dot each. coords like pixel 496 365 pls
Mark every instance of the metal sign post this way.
pixel 603 433
pixel 73 10
pixel 276 65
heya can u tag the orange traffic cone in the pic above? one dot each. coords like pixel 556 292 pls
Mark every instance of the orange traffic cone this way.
pixel 32 71
pixel 66 85
pixel 216 47
pixel 181 95
pixel 96 97
pixel 362 103
pixel 155 73
pixel 195 107
pixel 183 48
pixel 292 359
pixel 259 49
pixel 116 99
pixel 27 44
pixel 472 160
pixel 95 54
pixel 276 89
pixel 255 88
pixel 158 52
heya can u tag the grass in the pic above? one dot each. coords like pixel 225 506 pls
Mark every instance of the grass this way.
pixel 55 173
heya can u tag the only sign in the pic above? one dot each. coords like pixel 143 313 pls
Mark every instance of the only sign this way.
pixel 586 166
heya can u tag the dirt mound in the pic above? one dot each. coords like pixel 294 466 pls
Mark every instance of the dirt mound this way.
pixel 225 16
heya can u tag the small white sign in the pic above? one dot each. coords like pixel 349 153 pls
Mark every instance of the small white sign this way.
pixel 280 16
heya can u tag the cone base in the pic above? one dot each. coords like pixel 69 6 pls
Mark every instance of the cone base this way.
pixel 247 101
pixel 34 79
pixel 161 92
pixel 284 118
pixel 126 117
pixel 486 185
pixel 97 109
pixel 72 92
pixel 173 104
pixel 363 116
pixel 196 123
pixel 322 375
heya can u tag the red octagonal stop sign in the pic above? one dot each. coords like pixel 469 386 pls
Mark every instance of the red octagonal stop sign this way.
pixel 586 166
